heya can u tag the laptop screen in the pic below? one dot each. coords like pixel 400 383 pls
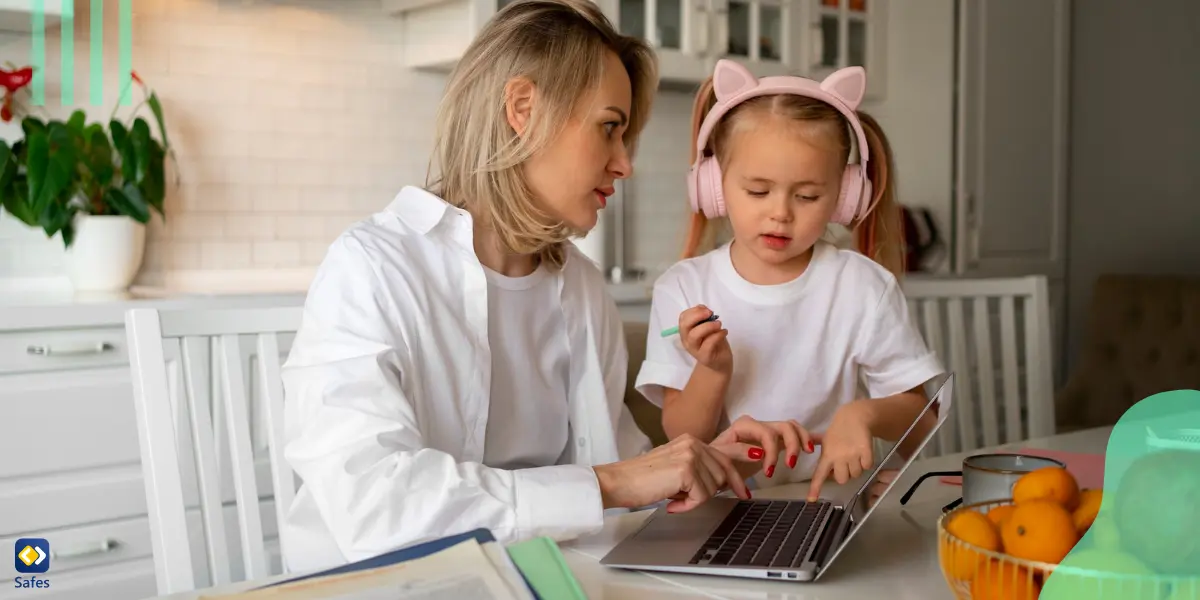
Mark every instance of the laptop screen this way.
pixel 941 399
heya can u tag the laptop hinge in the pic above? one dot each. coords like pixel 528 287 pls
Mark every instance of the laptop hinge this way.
pixel 832 536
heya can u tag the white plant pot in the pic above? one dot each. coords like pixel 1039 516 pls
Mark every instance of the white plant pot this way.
pixel 106 254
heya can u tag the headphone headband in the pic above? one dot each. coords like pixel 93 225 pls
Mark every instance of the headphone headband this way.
pixel 734 84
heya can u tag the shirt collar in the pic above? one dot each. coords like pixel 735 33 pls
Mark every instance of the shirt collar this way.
pixel 422 210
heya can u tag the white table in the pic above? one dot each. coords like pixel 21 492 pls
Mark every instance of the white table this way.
pixel 893 555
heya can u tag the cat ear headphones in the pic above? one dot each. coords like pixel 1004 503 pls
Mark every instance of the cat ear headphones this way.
pixel 734 84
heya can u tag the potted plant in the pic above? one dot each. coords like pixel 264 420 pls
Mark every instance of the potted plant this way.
pixel 94 186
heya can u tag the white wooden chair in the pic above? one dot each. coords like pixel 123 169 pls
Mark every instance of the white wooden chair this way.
pixel 995 335
pixel 199 428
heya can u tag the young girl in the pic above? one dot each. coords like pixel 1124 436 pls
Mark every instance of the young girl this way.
pixel 813 344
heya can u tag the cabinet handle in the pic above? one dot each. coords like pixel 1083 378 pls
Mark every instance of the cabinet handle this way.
pixel 105 545
pixel 97 348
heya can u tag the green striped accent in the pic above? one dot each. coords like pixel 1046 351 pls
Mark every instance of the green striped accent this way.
pixel 38 53
pixel 126 43
pixel 96 82
pixel 68 52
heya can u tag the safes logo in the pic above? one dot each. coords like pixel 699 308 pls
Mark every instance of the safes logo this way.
pixel 31 555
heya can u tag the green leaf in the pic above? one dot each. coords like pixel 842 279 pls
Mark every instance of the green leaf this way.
pixel 156 108
pixel 68 234
pixel 128 201
pixel 77 120
pixel 141 140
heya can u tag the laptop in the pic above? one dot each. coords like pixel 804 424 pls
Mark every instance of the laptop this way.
pixel 792 540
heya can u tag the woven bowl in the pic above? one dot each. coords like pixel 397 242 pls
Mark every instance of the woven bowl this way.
pixel 994 576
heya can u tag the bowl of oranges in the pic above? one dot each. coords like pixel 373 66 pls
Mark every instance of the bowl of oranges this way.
pixel 1007 549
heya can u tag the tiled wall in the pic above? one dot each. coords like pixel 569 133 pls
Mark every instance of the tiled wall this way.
pixel 290 120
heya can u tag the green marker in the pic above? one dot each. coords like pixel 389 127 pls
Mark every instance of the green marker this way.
pixel 670 331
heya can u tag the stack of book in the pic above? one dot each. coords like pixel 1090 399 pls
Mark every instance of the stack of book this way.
pixel 468 565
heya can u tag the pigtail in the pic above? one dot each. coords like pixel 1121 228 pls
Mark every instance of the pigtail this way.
pixel 698 228
pixel 881 235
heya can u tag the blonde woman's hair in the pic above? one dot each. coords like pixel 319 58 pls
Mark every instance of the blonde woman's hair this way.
pixel 560 46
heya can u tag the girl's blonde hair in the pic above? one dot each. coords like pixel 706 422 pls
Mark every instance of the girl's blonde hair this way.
pixel 881 235
pixel 560 46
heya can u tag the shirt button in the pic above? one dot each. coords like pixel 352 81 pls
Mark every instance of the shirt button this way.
pixel 581 442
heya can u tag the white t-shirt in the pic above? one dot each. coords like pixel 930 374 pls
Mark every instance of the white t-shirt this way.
pixel 527 422
pixel 838 332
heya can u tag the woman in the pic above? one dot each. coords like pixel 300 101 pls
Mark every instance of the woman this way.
pixel 460 364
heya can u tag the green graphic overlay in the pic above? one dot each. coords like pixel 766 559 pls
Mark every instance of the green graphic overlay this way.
pixel 95 52
pixel 1145 542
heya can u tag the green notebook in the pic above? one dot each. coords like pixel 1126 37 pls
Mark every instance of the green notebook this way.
pixel 544 567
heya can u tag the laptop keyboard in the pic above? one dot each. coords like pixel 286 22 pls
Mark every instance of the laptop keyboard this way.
pixel 764 534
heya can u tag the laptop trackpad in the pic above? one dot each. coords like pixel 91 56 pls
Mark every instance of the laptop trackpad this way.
pixel 672 539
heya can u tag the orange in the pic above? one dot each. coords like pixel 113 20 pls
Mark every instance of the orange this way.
pixel 1000 513
pixel 1048 483
pixel 960 561
pixel 1004 581
pixel 1040 530
pixel 1089 507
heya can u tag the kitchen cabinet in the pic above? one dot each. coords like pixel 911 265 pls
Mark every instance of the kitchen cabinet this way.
pixel 770 37
pixel 16 16
pixel 1010 157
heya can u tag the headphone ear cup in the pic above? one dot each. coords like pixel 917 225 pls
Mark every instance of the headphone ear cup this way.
pixel 855 188
pixel 704 189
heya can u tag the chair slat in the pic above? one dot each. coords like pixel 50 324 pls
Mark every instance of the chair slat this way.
pixel 272 396
pixel 935 337
pixel 1012 391
pixel 1038 359
pixel 981 318
pixel 164 491
pixel 208 478
pixel 960 363
pixel 245 488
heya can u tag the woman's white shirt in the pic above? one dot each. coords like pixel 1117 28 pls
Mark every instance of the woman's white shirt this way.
pixel 388 395
pixel 838 332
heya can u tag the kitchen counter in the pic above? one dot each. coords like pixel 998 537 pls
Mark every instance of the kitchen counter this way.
pixel 41 301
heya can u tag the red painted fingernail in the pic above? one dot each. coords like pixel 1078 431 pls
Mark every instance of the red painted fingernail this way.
pixel 810 446
pixel 756 453
pixel 748 496
pixel 770 470
pixel 792 461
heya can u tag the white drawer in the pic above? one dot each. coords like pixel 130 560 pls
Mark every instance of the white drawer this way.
pixel 102 554
pixel 124 581
pixel 52 422
pixel 40 350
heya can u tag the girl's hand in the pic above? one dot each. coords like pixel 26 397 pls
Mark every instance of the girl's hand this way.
pixel 769 435
pixel 884 479
pixel 846 448
pixel 706 341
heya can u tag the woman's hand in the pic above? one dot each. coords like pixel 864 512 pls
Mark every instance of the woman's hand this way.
pixel 686 470
pixel 846 448
pixel 770 435
pixel 706 341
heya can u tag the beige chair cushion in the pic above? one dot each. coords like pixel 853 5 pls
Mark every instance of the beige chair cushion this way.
pixel 1143 337
pixel 647 416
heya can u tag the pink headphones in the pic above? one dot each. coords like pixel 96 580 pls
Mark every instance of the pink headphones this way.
pixel 734 84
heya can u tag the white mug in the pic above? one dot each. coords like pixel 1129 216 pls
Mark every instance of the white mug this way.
pixel 988 477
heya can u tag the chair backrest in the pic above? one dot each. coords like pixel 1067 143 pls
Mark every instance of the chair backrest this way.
pixel 207 391
pixel 995 335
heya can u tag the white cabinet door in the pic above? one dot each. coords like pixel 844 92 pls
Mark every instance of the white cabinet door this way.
pixel 1011 147
pixel 679 30
pixel 847 33
pixel 1011 159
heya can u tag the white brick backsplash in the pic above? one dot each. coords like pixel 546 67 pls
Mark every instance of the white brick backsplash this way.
pixel 292 120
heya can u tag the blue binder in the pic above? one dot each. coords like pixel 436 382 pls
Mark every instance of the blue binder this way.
pixel 480 535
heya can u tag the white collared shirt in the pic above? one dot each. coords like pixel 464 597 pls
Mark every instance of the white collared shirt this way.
pixel 387 396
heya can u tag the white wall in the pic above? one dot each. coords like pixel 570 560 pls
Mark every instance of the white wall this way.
pixel 1135 187
pixel 291 119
